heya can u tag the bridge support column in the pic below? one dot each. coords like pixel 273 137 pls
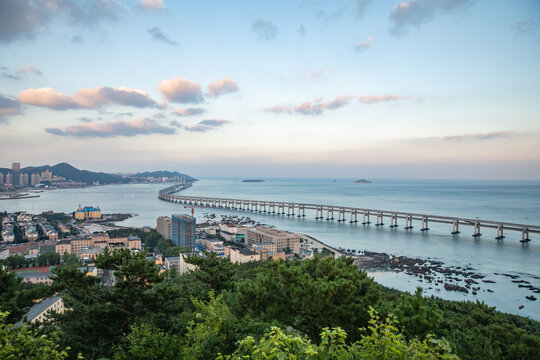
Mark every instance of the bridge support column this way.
pixel 408 222
pixel 317 209
pixel 477 230
pixel 524 234
pixel 393 221
pixel 366 218
pixel 380 219
pixel 500 235
pixel 355 217
pixel 455 227
pixel 424 224
pixel 328 211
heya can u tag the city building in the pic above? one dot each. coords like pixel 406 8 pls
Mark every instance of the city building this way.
pixel 15 168
pixel 63 247
pixel 23 179
pixel 164 227
pixel 87 212
pixel 39 311
pixel 35 179
pixel 1 178
pixel 183 232
pixel 283 239
pixel 9 179
pixel 242 255
pixel 35 275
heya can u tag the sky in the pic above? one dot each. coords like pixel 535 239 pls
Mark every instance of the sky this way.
pixel 435 89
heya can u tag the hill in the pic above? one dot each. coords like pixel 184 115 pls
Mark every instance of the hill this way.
pixel 89 177
pixel 161 174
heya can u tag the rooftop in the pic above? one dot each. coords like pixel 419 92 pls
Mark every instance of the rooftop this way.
pixel 39 308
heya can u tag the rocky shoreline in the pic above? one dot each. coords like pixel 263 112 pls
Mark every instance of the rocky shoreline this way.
pixel 435 273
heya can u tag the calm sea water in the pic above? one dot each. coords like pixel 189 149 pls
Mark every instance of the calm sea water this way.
pixel 490 200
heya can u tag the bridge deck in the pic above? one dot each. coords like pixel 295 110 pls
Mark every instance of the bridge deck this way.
pixel 168 195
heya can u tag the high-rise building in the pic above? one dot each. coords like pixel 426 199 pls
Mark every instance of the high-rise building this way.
pixel 183 231
pixel 16 180
pixel 164 227
pixel 8 179
pixel 46 175
pixel 23 179
pixel 35 179
pixel 1 178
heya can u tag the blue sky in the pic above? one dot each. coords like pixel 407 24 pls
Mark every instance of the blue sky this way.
pixel 358 88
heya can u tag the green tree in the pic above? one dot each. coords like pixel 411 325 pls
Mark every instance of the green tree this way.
pixel 382 341
pixel 417 315
pixel 310 295
pixel 21 343
pixel 146 342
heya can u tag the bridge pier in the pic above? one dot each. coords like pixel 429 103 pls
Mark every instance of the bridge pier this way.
pixel 379 219
pixel 408 222
pixel 500 234
pixel 317 209
pixel 477 230
pixel 355 217
pixel 341 215
pixel 524 234
pixel 455 227
pixel 424 224
pixel 328 211
pixel 393 221
pixel 366 216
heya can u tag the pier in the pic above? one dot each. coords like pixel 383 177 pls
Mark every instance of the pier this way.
pixel 342 213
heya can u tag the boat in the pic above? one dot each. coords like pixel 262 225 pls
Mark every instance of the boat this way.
pixel 362 181
pixel 253 180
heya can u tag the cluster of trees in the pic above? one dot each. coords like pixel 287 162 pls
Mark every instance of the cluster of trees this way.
pixel 310 309
pixel 48 258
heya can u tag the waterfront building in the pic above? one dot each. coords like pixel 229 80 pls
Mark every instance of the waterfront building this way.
pixel 9 179
pixel 183 232
pixel 283 239
pixel 46 175
pixel 39 311
pixel 23 179
pixel 164 227
pixel 87 212
pixel 16 168
pixel 1 178
pixel 35 179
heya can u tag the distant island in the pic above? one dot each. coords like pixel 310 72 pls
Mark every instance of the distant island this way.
pixel 253 180
pixel 362 181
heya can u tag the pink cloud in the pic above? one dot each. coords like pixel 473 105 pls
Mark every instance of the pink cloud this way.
pixel 152 5
pixel 87 98
pixel 223 86
pixel 48 97
pixel 363 45
pixel 189 111
pixel 181 90
pixel 318 106
pixel 113 129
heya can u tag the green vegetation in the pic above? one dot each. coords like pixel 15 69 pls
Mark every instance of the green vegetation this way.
pixel 47 258
pixel 152 241
pixel 25 344
pixel 310 309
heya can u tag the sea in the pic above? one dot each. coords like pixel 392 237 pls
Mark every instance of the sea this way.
pixel 508 201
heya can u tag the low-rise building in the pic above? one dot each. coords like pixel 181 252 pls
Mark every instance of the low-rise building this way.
pixel 90 253
pixel 283 239
pixel 87 212
pixel 39 311
pixel 231 228
pixel 242 255
pixel 63 247
pixel 35 275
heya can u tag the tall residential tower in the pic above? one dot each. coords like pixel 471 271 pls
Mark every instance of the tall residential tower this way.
pixel 183 231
